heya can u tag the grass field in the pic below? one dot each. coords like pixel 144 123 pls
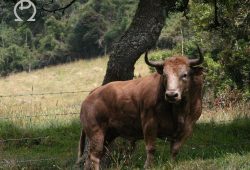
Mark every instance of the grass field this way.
pixel 42 132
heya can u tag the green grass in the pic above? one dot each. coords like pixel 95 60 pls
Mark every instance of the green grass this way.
pixel 214 144
pixel 60 143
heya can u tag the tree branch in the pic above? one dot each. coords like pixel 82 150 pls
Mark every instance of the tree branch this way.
pixel 215 24
pixel 58 9
pixel 216 21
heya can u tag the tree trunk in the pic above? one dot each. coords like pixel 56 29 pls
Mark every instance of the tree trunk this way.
pixel 142 35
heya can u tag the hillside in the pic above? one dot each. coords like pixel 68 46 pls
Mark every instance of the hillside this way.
pixel 78 77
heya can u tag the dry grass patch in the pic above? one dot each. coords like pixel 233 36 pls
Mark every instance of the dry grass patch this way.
pixel 82 75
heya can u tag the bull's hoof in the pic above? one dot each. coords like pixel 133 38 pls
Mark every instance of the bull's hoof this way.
pixel 79 164
pixel 148 165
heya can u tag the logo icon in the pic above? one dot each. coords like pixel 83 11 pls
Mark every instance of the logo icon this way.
pixel 21 4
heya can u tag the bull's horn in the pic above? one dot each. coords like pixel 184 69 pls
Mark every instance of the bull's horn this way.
pixel 153 63
pixel 197 61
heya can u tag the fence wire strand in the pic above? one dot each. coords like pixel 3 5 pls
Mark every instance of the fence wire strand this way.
pixel 44 94
pixel 21 139
pixel 7 162
pixel 41 115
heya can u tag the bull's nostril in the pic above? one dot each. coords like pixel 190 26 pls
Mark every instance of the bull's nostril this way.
pixel 171 94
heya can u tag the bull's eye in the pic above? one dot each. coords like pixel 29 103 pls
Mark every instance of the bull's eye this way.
pixel 184 76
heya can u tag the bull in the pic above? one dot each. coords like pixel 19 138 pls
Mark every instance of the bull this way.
pixel 163 105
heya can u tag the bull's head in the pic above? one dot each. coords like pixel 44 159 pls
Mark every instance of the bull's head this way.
pixel 176 72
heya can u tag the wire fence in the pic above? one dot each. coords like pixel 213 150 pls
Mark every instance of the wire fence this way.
pixel 22 139
pixel 41 115
pixel 44 94
pixel 11 162
pixel 6 162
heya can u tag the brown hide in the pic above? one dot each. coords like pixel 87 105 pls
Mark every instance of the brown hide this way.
pixel 137 109
pixel 120 106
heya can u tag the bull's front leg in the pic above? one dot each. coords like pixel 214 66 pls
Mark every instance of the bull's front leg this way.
pixel 176 144
pixel 179 114
pixel 150 134
pixel 180 125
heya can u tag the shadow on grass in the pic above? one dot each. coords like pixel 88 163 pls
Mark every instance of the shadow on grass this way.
pixel 209 141
pixel 212 140
pixel 52 147
pixel 58 146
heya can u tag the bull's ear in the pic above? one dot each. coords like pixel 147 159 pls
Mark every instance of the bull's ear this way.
pixel 195 71
pixel 159 69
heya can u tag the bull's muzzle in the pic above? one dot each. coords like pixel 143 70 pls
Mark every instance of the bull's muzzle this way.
pixel 172 96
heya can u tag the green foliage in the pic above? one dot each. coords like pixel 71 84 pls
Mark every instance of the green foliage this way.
pixel 14 58
pixel 160 55
pixel 87 35
pixel 171 32
pixel 201 15
pixel 216 78
pixel 87 29
pixel 8 36
pixel 236 63
pixel 99 25
pixel 225 44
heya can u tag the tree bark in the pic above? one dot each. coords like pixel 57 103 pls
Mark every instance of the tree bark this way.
pixel 142 35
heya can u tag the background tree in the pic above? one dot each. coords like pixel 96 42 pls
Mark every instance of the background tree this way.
pixel 142 35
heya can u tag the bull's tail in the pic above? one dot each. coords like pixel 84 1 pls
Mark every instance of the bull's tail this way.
pixel 80 159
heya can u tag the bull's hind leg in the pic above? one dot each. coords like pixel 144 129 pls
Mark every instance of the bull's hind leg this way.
pixel 83 149
pixel 107 151
pixel 96 150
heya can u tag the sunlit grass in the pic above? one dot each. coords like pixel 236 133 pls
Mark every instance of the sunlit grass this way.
pixel 77 76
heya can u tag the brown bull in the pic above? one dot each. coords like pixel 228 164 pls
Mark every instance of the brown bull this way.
pixel 164 104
